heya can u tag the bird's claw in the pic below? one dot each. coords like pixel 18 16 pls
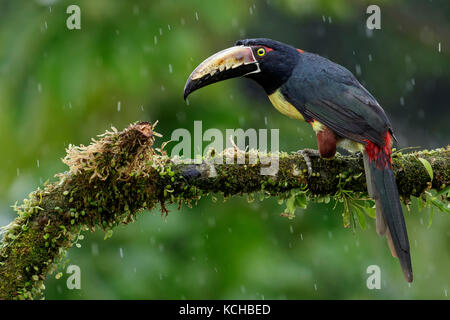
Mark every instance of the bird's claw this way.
pixel 305 153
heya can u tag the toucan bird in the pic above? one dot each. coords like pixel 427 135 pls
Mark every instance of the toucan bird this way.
pixel 308 87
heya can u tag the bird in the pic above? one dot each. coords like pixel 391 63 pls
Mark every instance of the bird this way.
pixel 308 87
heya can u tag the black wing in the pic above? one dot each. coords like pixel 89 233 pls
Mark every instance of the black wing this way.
pixel 327 92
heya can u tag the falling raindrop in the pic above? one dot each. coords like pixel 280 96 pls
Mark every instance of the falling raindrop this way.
pixel 135 10
pixel 168 27
pixel 187 101
pixel 39 87
pixel 315 287
pixel 37 163
pixel 330 234
pixel 160 31
pixel 439 47
pixel 358 69
pixel 142 108
pixel 445 292
pixel 94 249
pixel 291 229
pixel 121 252
pixel 370 57
pixel 230 230
pixel 155 40
pixel 18 172
pixel 182 21
pixel 196 15
pixel 402 101
pixel 118 106
pixel 265 121
pixel 301 236
pixel 163 88
pixel 170 68
pixel 243 290
pixel 324 19
pixel 250 10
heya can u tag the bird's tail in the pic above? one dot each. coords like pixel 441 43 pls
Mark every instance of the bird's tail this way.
pixel 383 189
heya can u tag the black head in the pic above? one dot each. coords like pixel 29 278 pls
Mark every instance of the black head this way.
pixel 268 62
pixel 276 61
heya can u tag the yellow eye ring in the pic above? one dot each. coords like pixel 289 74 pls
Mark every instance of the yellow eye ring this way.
pixel 261 52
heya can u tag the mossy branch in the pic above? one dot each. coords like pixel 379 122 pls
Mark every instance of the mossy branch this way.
pixel 121 174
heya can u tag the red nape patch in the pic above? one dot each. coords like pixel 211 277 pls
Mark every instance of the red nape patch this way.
pixel 300 50
pixel 380 155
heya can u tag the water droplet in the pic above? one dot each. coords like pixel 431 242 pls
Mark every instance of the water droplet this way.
pixel 196 15
pixel 37 163
pixel 168 27
pixel 170 68
pixel 118 106
pixel 439 47
pixel 160 31
pixel 315 287
pixel 121 252
pixel 301 236
pixel 155 40
pixel 94 249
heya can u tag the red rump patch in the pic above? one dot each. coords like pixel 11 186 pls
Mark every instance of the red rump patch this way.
pixel 380 155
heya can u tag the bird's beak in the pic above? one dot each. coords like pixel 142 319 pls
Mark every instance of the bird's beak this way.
pixel 229 63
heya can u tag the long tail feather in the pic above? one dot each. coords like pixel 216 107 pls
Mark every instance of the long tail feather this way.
pixel 389 216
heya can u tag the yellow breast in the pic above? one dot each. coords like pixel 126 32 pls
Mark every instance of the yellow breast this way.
pixel 283 106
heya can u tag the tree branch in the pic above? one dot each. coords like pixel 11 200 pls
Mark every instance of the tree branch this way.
pixel 119 175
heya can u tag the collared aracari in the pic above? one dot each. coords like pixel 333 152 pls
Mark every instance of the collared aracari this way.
pixel 342 112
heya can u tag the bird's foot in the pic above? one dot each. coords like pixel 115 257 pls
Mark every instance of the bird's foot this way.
pixel 306 153
pixel 359 155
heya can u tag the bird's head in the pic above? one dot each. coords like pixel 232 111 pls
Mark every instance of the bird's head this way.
pixel 268 62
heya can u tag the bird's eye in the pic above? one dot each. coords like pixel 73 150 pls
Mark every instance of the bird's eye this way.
pixel 261 52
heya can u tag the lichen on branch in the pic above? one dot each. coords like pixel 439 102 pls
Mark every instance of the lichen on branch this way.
pixel 119 175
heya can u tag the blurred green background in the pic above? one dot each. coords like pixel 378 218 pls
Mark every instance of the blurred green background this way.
pixel 130 61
